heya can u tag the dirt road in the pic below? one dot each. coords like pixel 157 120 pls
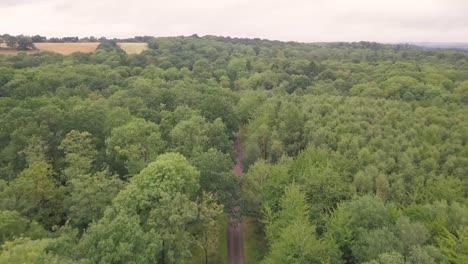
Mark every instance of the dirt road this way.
pixel 236 229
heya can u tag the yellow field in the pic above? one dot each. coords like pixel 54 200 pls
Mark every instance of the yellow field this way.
pixel 67 48
pixel 133 48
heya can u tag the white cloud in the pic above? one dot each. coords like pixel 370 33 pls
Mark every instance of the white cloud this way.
pixel 300 20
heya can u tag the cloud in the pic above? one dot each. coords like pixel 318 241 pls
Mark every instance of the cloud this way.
pixel 6 3
pixel 300 20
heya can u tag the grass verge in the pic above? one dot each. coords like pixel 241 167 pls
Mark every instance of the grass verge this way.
pixel 254 242
pixel 221 254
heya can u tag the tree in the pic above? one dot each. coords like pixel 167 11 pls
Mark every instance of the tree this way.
pixel 291 236
pixel 208 213
pixel 293 207
pixel 110 46
pixel 156 208
pixel 11 42
pixel 38 39
pixel 462 91
pixel 369 244
pixel 388 258
pixel 410 235
pixel 101 244
pixel 218 136
pixel 263 186
pixel 296 244
pixel 454 246
pixel 171 217
pixel 427 254
pixel 325 186
pixel 36 150
pixel 89 195
pixel 80 153
pixel 290 128
pixel 190 136
pixel 153 44
pixel 216 175
pixel 13 225
pixel 24 43
pixel 34 194
pixel 25 250
pixel 356 224
pixel 202 69
pixel 236 69
pixel 136 144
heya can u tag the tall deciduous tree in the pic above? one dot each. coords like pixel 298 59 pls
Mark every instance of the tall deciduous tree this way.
pixel 11 42
pixel 157 208
pixel 24 43
pixel 35 194
pixel 291 236
pixel 80 153
pixel 209 212
pixel 136 144
pixel 25 250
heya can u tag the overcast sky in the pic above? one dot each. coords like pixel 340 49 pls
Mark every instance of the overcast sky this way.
pixel 297 20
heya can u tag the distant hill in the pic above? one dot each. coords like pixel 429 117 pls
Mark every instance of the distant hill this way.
pixel 441 45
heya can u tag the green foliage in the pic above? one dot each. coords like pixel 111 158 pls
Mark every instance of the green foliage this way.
pixel 136 143
pixel 156 210
pixel 89 195
pixel 20 42
pixel 153 44
pixel 35 194
pixel 24 43
pixel 263 186
pixel 13 225
pixel 11 42
pixel 291 237
pixel 30 251
pixel 153 210
pixel 359 223
pixel 101 244
pixel 80 153
pixel 353 152
pixel 216 176
pixel 388 258
pixel 109 45
pixel 454 246
pixel 208 214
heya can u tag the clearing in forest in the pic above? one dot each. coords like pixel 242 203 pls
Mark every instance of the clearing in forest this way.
pixel 67 48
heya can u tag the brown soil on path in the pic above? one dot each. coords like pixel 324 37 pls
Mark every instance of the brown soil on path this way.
pixel 235 241
pixel 238 166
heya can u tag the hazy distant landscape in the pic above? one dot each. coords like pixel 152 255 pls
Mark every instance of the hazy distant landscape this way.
pixel 441 45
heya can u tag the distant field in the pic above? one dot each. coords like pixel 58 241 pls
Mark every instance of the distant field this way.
pixel 67 48
pixel 133 48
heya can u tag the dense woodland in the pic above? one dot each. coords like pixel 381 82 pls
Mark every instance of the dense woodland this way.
pixel 352 153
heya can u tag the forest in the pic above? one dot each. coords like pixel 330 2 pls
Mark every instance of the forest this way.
pixel 351 153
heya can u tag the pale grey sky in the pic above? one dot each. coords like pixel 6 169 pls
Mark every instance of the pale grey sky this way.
pixel 297 20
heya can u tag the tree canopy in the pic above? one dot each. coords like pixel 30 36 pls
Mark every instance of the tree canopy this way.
pixel 352 152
